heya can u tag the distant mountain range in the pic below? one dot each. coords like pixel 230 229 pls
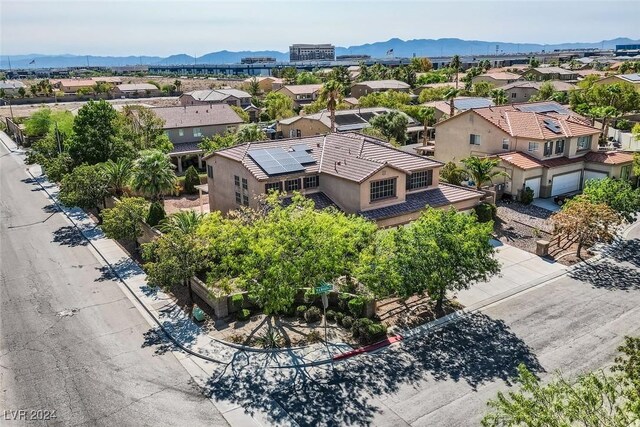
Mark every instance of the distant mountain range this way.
pixel 401 48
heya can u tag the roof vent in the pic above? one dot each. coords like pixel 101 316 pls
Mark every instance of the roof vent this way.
pixel 196 111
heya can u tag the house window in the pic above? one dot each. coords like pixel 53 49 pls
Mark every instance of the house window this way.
pixel 236 181
pixel 505 144
pixel 548 148
pixel 474 139
pixel 273 186
pixel 238 197
pixel 292 185
pixel 210 171
pixel 311 181
pixel 421 179
pixel 245 185
pixel 245 200
pixel 560 146
pixel 584 142
pixel 625 172
pixel 197 132
pixel 533 146
pixel 513 94
pixel 180 132
pixel 382 189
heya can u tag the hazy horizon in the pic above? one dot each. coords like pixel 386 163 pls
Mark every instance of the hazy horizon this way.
pixel 169 27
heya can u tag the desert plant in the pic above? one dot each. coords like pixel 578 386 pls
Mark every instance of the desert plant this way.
pixel 191 179
pixel 356 306
pixel 347 322
pixel 156 214
pixel 300 311
pixel 366 330
pixel 313 314
pixel 270 338
pixel 236 338
pixel 237 301
pixel 331 315
pixel 313 337
pixel 243 314
pixel 527 196
pixel 343 301
pixel 339 317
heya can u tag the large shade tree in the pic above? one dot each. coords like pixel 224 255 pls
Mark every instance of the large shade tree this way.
pixel 153 174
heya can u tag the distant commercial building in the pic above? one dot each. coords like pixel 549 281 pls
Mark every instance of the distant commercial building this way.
pixel 257 60
pixel 627 47
pixel 353 57
pixel 312 52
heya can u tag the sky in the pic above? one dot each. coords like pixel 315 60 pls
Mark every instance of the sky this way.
pixel 166 27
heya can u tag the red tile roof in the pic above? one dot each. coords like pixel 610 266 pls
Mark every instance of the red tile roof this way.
pixel 520 160
pixel 609 158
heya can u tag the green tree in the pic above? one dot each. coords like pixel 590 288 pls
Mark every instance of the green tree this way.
pixel 455 65
pixel 218 142
pixel 58 166
pixel 289 74
pixel 483 169
pixel 615 193
pixel 141 127
pixel 534 62
pixel 178 85
pixel 453 174
pixel 432 94
pixel 38 123
pixel 186 222
pixel 278 106
pixel 124 220
pixel 450 96
pixel 388 99
pixel 341 75
pixel 241 113
pixel 483 89
pixel 306 78
pixel 156 214
pixel 331 93
pixel 118 175
pixel 393 125
pixel 499 96
pixel 421 65
pixel 153 174
pixel 86 187
pixel 594 399
pixel 422 114
pixel 253 87
pixel 191 179
pixel 545 92
pixel 22 92
pixel 586 222
pixel 251 133
pixel 95 135
pixel 431 77
pixel 378 267
pixel 443 251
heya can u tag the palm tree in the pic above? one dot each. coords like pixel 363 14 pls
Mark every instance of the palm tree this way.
pixel 499 96
pixel 253 87
pixel 185 222
pixel 482 170
pixel 178 84
pixel 332 93
pixel 450 95
pixel 455 64
pixel 153 174
pixel 118 175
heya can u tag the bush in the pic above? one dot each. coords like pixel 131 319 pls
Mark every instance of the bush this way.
pixel 343 301
pixel 301 310
pixel 313 314
pixel 527 196
pixel 237 301
pixel 356 306
pixel 156 214
pixel 331 315
pixel 313 337
pixel 366 330
pixel 339 317
pixel 191 179
pixel 243 314
pixel 347 322
pixel 271 338
pixel 309 296
pixel 486 212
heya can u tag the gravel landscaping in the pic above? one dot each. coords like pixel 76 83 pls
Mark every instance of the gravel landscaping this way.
pixel 522 225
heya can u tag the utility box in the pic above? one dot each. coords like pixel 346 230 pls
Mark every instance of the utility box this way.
pixel 542 247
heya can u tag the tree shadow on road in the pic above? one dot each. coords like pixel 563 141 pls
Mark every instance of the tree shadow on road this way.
pixel 69 236
pixel 125 268
pixel 608 275
pixel 626 251
pixel 475 349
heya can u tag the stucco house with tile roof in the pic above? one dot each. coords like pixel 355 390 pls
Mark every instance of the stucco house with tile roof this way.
pixel 301 95
pixel 543 146
pixel 236 97
pixel 497 79
pixel 356 173
pixel 364 88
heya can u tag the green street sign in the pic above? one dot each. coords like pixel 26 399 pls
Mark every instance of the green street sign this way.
pixel 324 288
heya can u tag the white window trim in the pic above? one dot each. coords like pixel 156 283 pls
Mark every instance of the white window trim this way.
pixel 535 145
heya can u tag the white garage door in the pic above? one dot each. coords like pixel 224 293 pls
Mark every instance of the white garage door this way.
pixel 534 184
pixel 566 183
pixel 593 175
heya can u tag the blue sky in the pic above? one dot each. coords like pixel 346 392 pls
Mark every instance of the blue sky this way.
pixel 164 27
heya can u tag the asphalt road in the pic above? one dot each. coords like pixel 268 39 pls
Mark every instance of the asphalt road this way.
pixel 573 324
pixel 71 343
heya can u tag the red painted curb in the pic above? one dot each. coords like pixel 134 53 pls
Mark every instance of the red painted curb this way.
pixel 369 348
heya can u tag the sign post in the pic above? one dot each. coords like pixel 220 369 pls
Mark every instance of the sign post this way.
pixel 323 290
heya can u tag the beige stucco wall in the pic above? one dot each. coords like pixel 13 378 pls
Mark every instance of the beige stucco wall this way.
pixel 345 194
pixel 521 94
pixel 495 82
pixel 463 206
pixel 452 138
pixel 222 187
pixel 614 79
pixel 306 126
pixel 207 131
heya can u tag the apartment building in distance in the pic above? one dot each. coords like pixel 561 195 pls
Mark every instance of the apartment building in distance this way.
pixel 541 145
pixel 312 52
pixel 353 172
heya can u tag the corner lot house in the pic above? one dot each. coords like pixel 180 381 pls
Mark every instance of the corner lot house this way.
pixel 367 87
pixel 543 146
pixel 356 173
pixel 236 97
pixel 522 91
pixel 186 126
pixel 301 95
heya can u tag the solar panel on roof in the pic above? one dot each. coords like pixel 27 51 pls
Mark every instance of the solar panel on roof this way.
pixel 367 116
pixel 552 125
pixel 303 157
pixel 301 147
pixel 469 103
pixel 348 119
pixel 274 161
pixel 633 77
pixel 543 108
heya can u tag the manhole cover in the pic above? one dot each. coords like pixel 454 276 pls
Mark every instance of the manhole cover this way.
pixel 67 312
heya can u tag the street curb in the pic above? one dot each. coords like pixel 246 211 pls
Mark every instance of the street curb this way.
pixel 369 348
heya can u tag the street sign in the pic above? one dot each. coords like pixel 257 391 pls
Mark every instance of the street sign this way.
pixel 325 301
pixel 324 288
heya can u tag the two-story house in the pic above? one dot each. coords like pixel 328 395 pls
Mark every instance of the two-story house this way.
pixel 356 173
pixel 541 145
pixel 236 97
pixel 364 88
pixel 522 91
pixel 551 73
pixel 497 79
pixel 301 95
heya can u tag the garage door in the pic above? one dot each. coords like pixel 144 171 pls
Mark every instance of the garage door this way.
pixel 566 183
pixel 593 175
pixel 534 184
